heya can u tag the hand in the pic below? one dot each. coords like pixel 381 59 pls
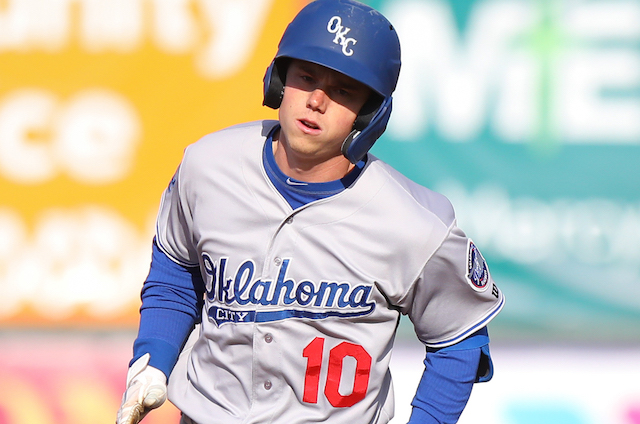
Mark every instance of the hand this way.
pixel 146 390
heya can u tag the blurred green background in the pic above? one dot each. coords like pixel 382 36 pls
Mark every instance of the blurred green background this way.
pixel 526 114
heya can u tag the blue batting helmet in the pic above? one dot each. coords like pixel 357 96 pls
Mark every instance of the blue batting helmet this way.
pixel 353 39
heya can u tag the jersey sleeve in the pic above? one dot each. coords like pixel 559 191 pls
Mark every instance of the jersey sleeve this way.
pixel 454 296
pixel 174 224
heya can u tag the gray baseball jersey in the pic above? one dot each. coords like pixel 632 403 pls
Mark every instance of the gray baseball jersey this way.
pixel 301 306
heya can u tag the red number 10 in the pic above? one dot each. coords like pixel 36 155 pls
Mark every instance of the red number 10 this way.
pixel 314 352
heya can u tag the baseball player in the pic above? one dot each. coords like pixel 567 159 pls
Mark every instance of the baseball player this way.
pixel 285 255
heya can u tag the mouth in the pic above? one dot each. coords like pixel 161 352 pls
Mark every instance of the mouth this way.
pixel 309 125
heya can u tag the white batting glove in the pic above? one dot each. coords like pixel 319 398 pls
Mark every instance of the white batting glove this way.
pixel 146 390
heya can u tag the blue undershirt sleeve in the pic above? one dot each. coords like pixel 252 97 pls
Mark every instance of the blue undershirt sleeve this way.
pixel 448 378
pixel 172 299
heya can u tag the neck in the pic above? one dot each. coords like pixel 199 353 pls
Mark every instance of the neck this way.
pixel 312 170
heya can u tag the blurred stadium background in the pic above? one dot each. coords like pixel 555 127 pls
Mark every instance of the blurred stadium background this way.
pixel 526 113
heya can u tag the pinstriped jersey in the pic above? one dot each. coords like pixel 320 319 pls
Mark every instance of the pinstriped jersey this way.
pixel 301 306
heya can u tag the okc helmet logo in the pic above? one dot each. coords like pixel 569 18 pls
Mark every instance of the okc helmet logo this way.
pixel 335 27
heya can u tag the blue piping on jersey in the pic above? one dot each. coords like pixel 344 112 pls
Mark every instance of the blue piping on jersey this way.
pixel 222 316
pixel 473 329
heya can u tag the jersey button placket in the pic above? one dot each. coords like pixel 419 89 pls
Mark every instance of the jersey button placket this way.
pixel 267 372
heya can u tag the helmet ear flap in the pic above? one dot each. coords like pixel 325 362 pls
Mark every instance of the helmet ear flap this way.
pixel 273 82
pixel 367 111
pixel 273 87
pixel 360 140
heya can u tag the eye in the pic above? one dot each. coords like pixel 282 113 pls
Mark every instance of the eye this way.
pixel 306 80
pixel 342 93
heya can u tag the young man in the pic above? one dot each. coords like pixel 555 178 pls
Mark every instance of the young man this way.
pixel 285 255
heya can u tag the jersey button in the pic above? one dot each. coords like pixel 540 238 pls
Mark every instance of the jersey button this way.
pixel 289 220
pixel 277 261
pixel 267 385
pixel 268 338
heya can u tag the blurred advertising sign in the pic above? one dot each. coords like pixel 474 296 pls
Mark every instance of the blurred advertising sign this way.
pixel 538 384
pixel 98 98
pixel 527 115
pixel 82 378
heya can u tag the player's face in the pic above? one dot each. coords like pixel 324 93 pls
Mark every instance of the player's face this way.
pixel 317 112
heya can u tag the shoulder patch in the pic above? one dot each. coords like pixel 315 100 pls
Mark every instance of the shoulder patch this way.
pixel 477 270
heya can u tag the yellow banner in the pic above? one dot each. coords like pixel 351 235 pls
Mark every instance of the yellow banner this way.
pixel 98 99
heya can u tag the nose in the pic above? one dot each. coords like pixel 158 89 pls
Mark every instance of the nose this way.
pixel 317 100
